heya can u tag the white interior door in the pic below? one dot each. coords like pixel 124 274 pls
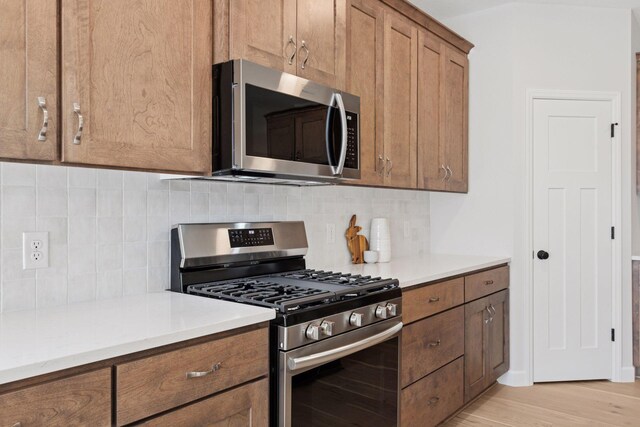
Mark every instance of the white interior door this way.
pixel 572 214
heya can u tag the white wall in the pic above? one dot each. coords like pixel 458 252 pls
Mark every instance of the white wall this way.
pixel 521 47
pixel 109 230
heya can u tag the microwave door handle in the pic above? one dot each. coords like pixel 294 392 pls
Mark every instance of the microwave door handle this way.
pixel 343 119
pixel 297 363
pixel 327 135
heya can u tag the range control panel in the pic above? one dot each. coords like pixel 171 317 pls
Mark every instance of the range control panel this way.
pixel 250 237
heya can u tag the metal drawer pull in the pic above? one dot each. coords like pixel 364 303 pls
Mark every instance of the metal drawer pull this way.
pixel 433 400
pixel 42 103
pixel 295 48
pixel 488 282
pixel 76 109
pixel 434 299
pixel 434 343
pixel 18 424
pixel 450 172
pixel 489 319
pixel 198 374
pixel 446 173
pixel 380 171
pixel 389 166
pixel 492 308
pixel 306 58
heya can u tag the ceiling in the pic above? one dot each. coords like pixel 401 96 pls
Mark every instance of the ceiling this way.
pixel 443 9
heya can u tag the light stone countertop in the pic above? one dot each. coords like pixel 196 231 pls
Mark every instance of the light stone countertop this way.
pixel 40 341
pixel 423 269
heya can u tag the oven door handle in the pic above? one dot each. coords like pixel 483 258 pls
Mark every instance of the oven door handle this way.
pixel 337 170
pixel 296 363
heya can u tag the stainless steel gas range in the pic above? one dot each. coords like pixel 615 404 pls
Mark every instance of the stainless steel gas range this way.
pixel 335 342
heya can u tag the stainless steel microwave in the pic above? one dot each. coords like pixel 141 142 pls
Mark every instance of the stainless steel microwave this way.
pixel 271 126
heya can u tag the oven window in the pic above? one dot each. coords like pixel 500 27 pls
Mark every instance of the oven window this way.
pixel 284 127
pixel 357 390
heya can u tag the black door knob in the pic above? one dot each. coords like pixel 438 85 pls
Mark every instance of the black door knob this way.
pixel 543 255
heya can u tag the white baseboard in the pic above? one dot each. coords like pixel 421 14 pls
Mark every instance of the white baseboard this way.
pixel 515 379
pixel 627 374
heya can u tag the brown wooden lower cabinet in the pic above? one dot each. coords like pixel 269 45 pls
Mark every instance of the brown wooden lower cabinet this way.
pixel 246 406
pixel 434 398
pixel 486 342
pixel 81 400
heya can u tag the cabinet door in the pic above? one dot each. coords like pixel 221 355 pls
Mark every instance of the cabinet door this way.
pixel 140 75
pixel 28 71
pixel 365 70
pixel 400 101
pixel 243 406
pixel 263 31
pixel 455 118
pixel 498 335
pixel 476 344
pixel 431 147
pixel 321 31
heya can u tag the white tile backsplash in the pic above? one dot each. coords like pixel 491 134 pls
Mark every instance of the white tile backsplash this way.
pixel 109 230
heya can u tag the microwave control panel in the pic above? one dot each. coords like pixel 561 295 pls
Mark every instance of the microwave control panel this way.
pixel 351 161
pixel 248 237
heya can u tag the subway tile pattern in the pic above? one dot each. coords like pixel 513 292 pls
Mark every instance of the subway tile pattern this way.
pixel 109 230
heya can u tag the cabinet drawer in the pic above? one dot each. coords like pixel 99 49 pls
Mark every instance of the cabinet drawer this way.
pixel 423 302
pixel 151 385
pixel 243 406
pixel 485 283
pixel 76 401
pixel 431 343
pixel 433 399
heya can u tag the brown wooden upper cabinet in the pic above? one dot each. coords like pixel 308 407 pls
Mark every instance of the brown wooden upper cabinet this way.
pixel 302 37
pixel 28 80
pixel 136 84
pixel 443 76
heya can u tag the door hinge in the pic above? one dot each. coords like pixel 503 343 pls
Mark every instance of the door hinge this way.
pixel 613 334
pixel 613 129
pixel 613 233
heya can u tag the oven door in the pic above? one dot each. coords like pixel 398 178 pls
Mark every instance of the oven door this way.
pixel 349 380
pixel 290 126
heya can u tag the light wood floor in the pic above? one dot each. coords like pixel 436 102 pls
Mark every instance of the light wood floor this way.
pixel 594 403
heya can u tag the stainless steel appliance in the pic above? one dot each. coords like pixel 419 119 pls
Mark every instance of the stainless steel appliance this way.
pixel 335 341
pixel 275 127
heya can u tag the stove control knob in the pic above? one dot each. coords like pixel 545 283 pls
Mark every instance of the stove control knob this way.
pixel 382 312
pixel 392 309
pixel 313 332
pixel 326 327
pixel 356 319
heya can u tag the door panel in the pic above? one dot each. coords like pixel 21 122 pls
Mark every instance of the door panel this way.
pixel 431 147
pixel 498 335
pixel 141 74
pixel 259 31
pixel 365 44
pixel 572 220
pixel 400 94
pixel 28 54
pixel 321 27
pixel 455 122
pixel 476 342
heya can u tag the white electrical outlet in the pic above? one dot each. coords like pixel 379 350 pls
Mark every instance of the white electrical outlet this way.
pixel 407 230
pixel 331 233
pixel 35 250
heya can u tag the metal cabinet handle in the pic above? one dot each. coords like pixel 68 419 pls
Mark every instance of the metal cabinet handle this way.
pixel 446 173
pixel 433 400
pixel 42 103
pixel 18 424
pixel 489 319
pixel 380 171
pixel 389 167
pixel 450 172
pixel 306 58
pixel 488 282
pixel 434 343
pixel 198 374
pixel 434 299
pixel 76 109
pixel 291 42
pixel 492 308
